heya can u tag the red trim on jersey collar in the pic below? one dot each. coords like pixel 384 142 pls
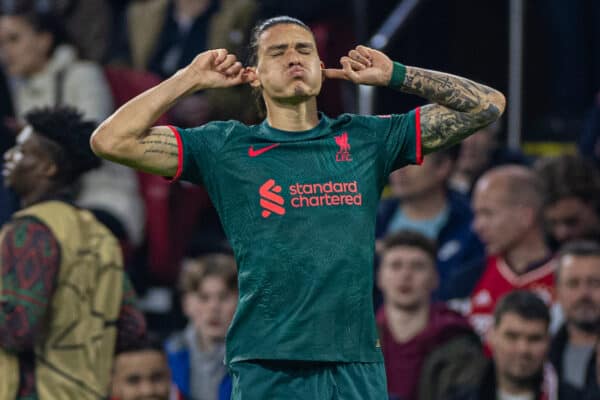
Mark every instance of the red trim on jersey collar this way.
pixel 419 150
pixel 179 153
pixel 546 268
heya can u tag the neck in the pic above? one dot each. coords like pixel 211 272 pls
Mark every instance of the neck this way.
pixel 207 345
pixel 580 337
pixel 405 324
pixel 292 117
pixel 425 207
pixel 527 250
pixel 41 191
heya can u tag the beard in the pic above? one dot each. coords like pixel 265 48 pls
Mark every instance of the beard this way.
pixel 526 382
pixel 590 324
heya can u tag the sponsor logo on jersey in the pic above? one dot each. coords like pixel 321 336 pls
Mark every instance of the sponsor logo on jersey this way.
pixel 482 299
pixel 270 200
pixel 343 153
pixel 325 194
pixel 301 195
pixel 255 153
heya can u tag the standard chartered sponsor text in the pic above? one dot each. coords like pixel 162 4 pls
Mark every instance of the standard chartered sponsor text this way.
pixel 325 194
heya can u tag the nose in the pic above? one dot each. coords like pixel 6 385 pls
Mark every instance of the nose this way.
pixel 294 61
pixel 146 388
pixel 293 58
pixel 521 347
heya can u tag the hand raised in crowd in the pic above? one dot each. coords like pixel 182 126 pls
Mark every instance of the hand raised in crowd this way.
pixel 363 65
pixel 215 69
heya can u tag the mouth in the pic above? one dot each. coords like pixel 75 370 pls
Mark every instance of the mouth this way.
pixel 214 323
pixel 296 72
pixel 404 290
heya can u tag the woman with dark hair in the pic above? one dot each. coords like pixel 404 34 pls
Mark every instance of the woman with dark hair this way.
pixel 45 70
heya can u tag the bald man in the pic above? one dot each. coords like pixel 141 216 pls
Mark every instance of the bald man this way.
pixel 508 202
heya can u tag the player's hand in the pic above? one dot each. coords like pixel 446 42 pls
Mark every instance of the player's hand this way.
pixel 363 65
pixel 215 69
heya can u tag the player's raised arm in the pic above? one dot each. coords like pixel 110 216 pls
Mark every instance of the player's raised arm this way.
pixel 460 107
pixel 127 136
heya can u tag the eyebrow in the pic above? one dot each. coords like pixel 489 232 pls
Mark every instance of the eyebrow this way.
pixel 300 45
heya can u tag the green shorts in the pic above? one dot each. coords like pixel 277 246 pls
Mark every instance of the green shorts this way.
pixel 291 380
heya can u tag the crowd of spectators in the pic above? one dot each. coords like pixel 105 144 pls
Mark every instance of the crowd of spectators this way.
pixel 487 260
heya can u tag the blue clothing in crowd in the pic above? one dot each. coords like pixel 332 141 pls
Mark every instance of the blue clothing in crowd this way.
pixel 182 350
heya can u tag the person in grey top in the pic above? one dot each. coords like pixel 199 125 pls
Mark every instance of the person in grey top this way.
pixel 209 294
pixel 578 288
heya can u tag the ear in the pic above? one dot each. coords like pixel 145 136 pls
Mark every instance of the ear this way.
pixel 51 169
pixel 322 65
pixel 46 166
pixel 252 77
pixel 529 215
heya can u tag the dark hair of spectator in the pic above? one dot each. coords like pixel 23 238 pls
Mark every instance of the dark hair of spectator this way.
pixel 68 137
pixel 44 21
pixel 195 271
pixel 570 176
pixel 525 304
pixel 411 239
pixel 578 248
pixel 258 30
pixel 149 342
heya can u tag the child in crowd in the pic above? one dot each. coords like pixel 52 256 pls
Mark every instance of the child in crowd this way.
pixel 209 295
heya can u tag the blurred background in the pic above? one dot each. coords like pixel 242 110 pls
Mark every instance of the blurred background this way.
pixel 544 55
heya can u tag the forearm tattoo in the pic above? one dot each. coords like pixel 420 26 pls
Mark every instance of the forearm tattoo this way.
pixel 159 143
pixel 163 145
pixel 462 106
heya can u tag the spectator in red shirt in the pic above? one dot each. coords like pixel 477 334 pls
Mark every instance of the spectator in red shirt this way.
pixel 507 202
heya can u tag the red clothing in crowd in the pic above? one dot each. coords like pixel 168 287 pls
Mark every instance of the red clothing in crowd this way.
pixel 499 279
pixel 403 361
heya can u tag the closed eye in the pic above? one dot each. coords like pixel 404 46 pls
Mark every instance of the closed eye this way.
pixel 304 48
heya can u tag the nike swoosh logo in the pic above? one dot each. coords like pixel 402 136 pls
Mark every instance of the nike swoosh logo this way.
pixel 258 152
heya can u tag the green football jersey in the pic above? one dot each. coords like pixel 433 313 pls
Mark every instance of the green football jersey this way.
pixel 299 211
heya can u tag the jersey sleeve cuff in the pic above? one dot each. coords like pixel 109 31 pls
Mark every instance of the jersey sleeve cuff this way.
pixel 179 154
pixel 419 148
